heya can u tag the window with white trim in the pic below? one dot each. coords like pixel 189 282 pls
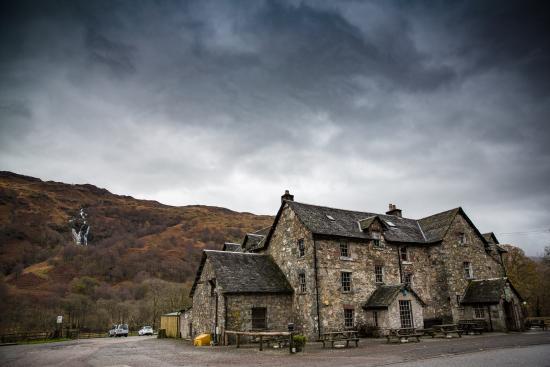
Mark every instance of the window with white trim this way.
pixel 301 248
pixel 479 311
pixel 345 281
pixel 462 239
pixel 376 239
pixel 404 253
pixel 302 282
pixel 407 279
pixel 344 249
pixel 405 314
pixel 379 274
pixel 348 317
pixel 468 271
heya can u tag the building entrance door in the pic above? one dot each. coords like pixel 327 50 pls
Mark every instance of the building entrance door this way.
pixel 510 314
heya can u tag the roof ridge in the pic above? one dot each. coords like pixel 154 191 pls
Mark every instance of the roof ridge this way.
pixel 235 253
pixel 350 210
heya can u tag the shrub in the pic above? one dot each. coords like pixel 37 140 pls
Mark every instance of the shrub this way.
pixel 299 342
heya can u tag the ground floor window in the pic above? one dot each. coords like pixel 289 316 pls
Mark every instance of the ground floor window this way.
pixel 405 314
pixel 479 312
pixel 259 318
pixel 348 317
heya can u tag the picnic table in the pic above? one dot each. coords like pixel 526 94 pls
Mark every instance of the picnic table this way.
pixel 403 334
pixel 472 326
pixel 263 336
pixel 447 329
pixel 340 336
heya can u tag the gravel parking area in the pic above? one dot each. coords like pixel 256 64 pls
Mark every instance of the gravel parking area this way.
pixel 152 352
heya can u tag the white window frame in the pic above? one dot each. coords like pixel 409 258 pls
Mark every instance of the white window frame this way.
pixel 478 311
pixel 301 248
pixel 467 265
pixel 302 282
pixel 342 285
pixel 377 274
pixel 345 244
pixel 377 239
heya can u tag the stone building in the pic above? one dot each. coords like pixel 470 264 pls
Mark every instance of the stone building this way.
pixel 328 269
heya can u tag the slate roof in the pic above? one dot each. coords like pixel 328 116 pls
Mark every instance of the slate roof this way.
pixel 492 239
pixel 435 226
pixel 383 296
pixel 238 272
pixel 234 247
pixel 484 291
pixel 255 240
pixel 346 223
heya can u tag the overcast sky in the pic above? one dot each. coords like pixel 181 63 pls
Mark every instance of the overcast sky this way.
pixel 351 104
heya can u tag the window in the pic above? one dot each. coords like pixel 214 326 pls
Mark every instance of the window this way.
pixel 405 314
pixel 301 248
pixel 376 239
pixel 302 281
pixel 375 318
pixel 330 217
pixel 404 254
pixel 407 279
pixel 212 283
pixel 348 317
pixel 458 299
pixel 479 312
pixel 468 272
pixel 345 280
pixel 259 318
pixel 462 240
pixel 379 274
pixel 344 249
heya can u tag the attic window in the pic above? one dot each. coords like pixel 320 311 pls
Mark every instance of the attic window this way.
pixel 330 217
pixel 376 239
pixel 462 239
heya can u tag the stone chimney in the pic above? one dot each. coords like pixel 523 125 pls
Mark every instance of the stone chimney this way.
pixel 287 197
pixel 394 211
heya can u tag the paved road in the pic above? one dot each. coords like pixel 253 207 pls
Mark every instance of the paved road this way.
pixel 501 350
pixel 538 355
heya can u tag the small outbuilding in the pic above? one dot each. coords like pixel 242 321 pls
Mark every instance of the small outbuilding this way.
pixel 494 301
pixel 171 323
pixel 393 307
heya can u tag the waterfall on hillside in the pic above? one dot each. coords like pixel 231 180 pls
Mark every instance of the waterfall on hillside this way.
pixel 80 228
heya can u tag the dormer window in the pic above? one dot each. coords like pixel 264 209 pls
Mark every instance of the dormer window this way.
pixel 376 239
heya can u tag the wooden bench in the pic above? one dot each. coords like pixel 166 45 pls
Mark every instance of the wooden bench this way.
pixel 426 332
pixel 542 322
pixel 340 336
pixel 447 330
pixel 472 326
pixel 403 335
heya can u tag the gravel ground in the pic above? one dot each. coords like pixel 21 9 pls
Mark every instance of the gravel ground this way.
pixel 152 352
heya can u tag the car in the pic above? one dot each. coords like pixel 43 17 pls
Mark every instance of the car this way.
pixel 112 331
pixel 122 330
pixel 146 330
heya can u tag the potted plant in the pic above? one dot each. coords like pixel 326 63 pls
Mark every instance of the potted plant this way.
pixel 299 342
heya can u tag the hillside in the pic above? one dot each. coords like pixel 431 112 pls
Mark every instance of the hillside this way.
pixel 131 242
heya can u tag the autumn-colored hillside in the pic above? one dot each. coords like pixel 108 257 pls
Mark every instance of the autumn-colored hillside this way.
pixel 130 241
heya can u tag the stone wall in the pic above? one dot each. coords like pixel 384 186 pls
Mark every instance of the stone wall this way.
pixel 454 255
pixel 284 250
pixel 361 262
pixel 204 304
pixel 239 310
pixel 394 318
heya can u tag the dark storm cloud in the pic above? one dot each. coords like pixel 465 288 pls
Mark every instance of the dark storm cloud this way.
pixel 352 104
